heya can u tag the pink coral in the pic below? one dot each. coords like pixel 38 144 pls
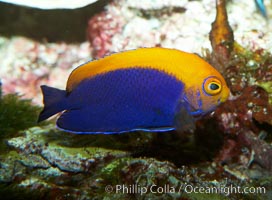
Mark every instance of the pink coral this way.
pixel 29 64
pixel 101 29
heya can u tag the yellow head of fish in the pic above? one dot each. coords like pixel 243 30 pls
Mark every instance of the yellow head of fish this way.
pixel 205 87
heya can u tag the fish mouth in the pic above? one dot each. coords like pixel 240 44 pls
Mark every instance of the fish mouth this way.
pixel 196 112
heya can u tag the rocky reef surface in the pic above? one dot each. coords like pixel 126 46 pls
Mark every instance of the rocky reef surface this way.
pixel 55 165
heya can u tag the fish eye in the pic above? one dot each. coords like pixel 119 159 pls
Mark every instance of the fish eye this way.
pixel 212 86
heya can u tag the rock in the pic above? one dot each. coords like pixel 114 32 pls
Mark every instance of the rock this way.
pixel 43 154
pixel 47 164
pixel 180 24
pixel 47 24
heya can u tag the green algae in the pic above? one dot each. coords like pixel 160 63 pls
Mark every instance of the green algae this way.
pixel 267 86
pixel 123 142
pixel 111 172
pixel 16 114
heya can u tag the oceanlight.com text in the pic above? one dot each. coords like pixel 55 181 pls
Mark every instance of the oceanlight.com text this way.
pixel 184 188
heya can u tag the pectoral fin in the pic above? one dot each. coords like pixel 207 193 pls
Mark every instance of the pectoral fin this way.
pixel 184 121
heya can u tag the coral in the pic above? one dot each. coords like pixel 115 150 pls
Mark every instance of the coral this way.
pixel 251 105
pixel 261 151
pixel 221 37
pixel 101 29
pixel 27 64
pixel 170 24
pixel 248 114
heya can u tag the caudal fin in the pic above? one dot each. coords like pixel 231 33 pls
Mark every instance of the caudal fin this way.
pixel 54 101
